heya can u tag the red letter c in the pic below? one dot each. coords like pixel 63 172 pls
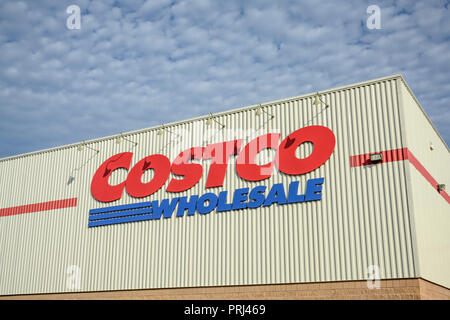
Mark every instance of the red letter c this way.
pixel 100 188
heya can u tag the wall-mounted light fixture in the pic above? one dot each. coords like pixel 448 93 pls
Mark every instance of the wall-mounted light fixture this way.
pixel 260 110
pixel 318 100
pixel 211 119
pixel 120 137
pixel 162 129
pixel 83 145
pixel 71 179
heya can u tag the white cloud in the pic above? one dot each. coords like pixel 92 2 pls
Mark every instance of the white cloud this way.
pixel 135 64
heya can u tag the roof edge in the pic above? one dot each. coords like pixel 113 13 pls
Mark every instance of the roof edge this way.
pixel 423 111
pixel 223 113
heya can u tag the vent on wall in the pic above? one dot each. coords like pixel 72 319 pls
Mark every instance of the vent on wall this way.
pixel 376 157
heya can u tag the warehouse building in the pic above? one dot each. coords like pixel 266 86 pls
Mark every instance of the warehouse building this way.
pixel 335 194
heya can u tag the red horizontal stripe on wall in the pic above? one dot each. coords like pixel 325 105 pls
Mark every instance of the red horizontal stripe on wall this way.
pixel 398 155
pixel 36 207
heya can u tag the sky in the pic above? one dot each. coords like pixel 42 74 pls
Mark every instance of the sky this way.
pixel 136 64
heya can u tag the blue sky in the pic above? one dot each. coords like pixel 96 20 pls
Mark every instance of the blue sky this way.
pixel 136 64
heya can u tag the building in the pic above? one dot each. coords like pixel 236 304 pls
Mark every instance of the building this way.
pixel 307 197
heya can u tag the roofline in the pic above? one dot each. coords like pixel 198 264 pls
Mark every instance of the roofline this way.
pixel 223 113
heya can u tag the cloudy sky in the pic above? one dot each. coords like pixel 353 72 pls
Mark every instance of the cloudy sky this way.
pixel 136 64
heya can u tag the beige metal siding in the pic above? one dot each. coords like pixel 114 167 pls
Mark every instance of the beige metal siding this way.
pixel 362 219
pixel 431 212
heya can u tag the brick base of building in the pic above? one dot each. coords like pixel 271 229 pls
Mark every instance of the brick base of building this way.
pixel 404 289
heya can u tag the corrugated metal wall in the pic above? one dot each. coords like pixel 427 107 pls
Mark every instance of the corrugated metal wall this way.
pixel 362 219
pixel 431 210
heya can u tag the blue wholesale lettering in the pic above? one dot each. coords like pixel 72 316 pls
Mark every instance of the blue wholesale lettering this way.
pixel 242 198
